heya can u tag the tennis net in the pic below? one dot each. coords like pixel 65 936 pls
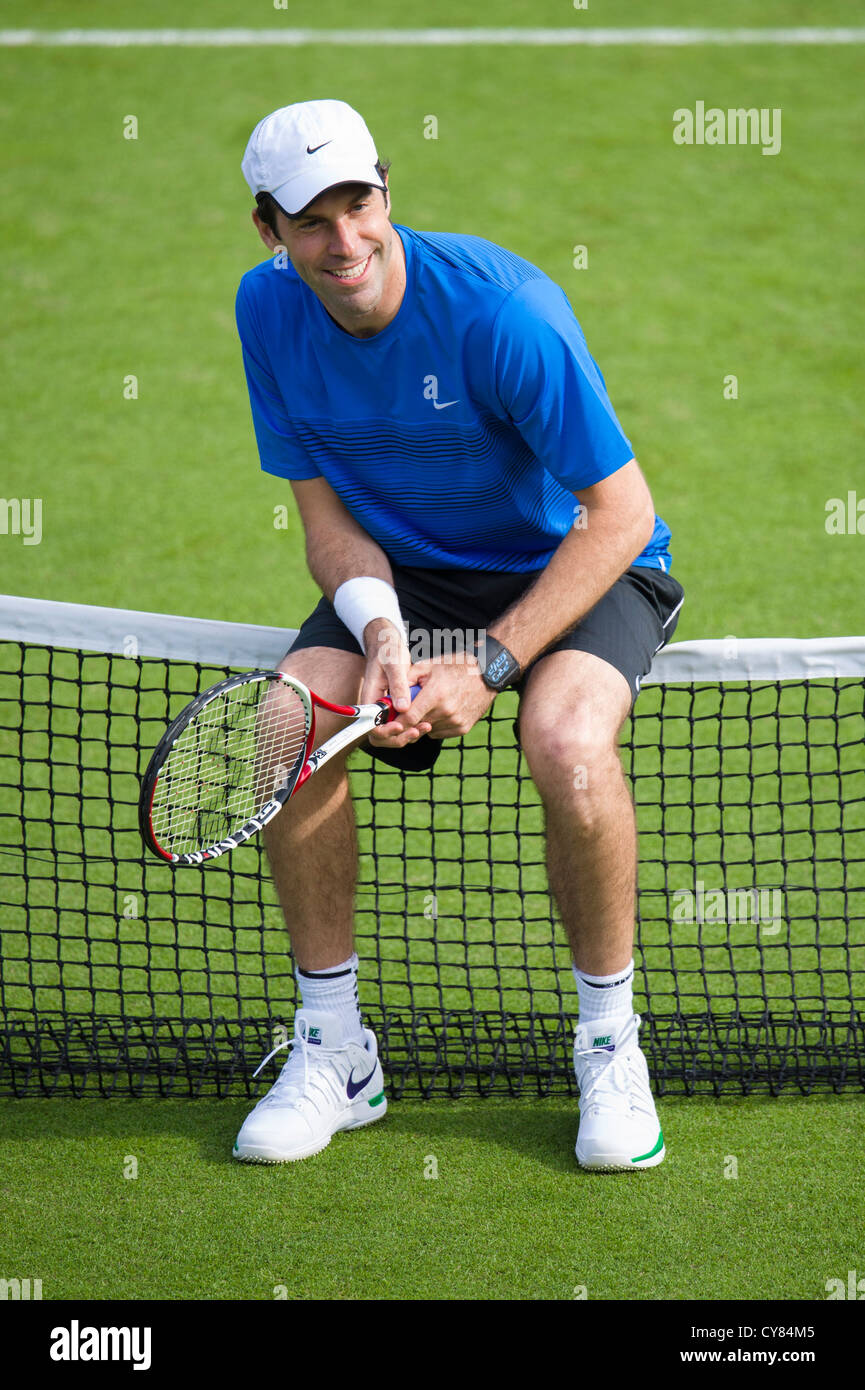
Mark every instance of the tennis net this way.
pixel 120 975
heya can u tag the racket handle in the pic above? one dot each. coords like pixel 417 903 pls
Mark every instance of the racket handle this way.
pixel 393 713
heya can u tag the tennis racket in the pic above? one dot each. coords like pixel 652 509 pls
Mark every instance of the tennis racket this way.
pixel 233 757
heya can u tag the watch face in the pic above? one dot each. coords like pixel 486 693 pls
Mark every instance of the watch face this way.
pixel 500 667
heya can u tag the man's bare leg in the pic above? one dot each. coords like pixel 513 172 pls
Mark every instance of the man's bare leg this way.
pixel 573 709
pixel 311 844
pixel 333 1079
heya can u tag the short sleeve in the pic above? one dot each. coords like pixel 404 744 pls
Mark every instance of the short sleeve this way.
pixel 278 448
pixel 552 389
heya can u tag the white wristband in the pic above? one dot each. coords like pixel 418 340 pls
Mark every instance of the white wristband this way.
pixel 358 601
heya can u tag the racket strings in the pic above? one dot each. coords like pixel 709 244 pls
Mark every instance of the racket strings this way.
pixel 228 763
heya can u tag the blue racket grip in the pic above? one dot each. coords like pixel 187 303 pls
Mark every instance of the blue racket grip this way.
pixel 394 713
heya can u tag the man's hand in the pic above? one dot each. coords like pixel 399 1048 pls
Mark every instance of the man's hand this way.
pixel 388 664
pixel 452 699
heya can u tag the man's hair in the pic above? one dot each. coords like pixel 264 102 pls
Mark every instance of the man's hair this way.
pixel 268 207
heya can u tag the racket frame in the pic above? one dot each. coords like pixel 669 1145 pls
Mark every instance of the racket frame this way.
pixel 363 718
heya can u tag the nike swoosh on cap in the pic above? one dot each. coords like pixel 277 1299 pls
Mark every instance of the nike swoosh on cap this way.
pixel 352 1086
pixel 318 147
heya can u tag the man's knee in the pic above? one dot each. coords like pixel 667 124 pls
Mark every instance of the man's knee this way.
pixel 570 752
pixel 335 674
pixel 569 727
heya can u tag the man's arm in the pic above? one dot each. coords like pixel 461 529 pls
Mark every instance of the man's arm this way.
pixel 616 526
pixel 620 518
pixel 339 549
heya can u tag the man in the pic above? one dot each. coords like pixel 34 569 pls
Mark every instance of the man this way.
pixel 456 463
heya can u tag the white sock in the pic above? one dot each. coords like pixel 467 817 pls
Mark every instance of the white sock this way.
pixel 334 991
pixel 605 996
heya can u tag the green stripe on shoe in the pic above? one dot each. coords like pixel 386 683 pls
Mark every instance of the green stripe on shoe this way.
pixel 376 1100
pixel 652 1152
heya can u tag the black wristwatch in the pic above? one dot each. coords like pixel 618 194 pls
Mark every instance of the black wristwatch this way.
pixel 499 667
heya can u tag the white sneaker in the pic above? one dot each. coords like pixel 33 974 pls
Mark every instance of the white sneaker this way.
pixel 619 1127
pixel 325 1086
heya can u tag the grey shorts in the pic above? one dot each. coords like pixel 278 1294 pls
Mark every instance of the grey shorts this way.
pixel 633 620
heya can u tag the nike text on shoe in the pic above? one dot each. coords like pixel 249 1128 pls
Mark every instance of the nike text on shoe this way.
pixel 619 1129
pixel 325 1086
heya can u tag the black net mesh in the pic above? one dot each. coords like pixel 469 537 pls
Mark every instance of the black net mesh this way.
pixel 120 975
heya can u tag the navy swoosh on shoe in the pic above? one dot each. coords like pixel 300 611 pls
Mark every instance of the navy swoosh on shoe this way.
pixel 353 1087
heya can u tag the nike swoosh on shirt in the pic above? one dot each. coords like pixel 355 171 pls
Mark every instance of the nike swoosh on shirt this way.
pixel 352 1086
pixel 443 405
pixel 318 147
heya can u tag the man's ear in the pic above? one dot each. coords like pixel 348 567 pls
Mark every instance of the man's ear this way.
pixel 266 234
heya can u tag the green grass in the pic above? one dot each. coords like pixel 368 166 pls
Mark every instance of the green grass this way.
pixel 510 1216
pixel 702 263
pixel 332 14
pixel 122 258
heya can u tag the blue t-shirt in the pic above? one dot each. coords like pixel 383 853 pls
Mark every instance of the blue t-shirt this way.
pixel 458 434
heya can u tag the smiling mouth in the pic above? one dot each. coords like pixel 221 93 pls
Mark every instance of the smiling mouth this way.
pixel 351 274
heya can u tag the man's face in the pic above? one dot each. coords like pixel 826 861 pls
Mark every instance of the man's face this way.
pixel 347 251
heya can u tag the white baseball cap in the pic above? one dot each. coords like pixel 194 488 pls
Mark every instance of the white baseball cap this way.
pixel 299 151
